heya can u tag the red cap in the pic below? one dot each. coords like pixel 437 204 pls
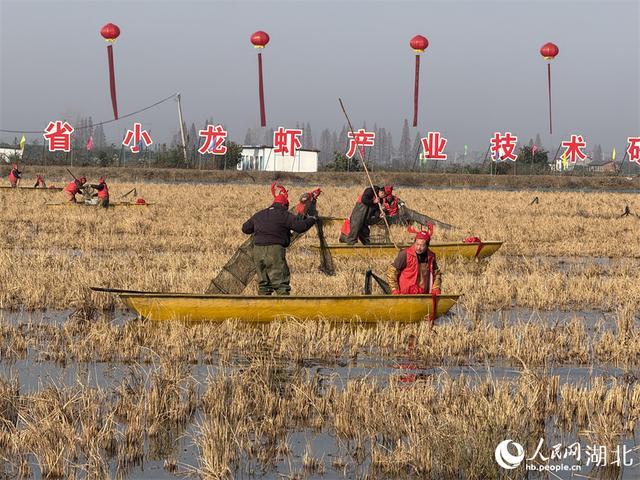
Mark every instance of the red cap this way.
pixel 102 180
pixel 422 234
pixel 15 166
pixel 282 196
pixel 388 190
pixel 82 180
pixel 140 201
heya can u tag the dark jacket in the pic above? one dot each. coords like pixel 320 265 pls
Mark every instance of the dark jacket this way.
pixel 273 225
pixel 368 196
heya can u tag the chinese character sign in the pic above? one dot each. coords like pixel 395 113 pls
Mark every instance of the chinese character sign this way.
pixel 214 136
pixel 360 139
pixel 634 149
pixel 58 135
pixel 503 146
pixel 433 146
pixel 574 148
pixel 286 141
pixel 137 136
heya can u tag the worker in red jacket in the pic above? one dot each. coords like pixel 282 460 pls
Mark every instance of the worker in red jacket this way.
pixel 103 192
pixel 73 188
pixel 415 271
pixel 14 176
pixel 40 183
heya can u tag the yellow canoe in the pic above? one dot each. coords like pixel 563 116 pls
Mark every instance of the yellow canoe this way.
pixel 45 189
pixel 466 250
pixel 111 204
pixel 217 308
pixel 327 221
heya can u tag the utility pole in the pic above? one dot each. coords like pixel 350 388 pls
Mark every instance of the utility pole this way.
pixel 184 141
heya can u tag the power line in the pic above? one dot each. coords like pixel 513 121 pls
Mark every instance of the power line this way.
pixel 100 123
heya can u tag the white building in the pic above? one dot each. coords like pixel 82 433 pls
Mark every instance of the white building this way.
pixel 263 158
pixel 7 153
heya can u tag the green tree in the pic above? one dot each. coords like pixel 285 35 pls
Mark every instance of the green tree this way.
pixel 229 160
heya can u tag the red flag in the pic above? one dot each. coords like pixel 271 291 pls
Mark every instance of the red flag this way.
pixel 90 144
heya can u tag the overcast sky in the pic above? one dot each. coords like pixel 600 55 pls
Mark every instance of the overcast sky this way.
pixel 481 73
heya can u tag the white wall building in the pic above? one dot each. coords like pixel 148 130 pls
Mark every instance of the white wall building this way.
pixel 6 153
pixel 262 158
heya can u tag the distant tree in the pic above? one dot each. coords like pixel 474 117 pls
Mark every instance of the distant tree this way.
pixel 343 164
pixel 231 159
pixel 538 142
pixel 99 139
pixel 307 139
pixel 268 136
pixel 405 146
pixel 597 153
pixel 325 147
pixel 248 138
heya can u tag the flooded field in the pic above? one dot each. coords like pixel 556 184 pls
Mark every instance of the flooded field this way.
pixel 543 344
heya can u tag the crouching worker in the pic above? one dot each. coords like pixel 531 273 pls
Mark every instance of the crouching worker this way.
pixel 365 212
pixel 103 192
pixel 415 271
pixel 271 229
pixel 73 188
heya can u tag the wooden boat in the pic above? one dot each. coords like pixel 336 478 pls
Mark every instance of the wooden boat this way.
pixel 442 250
pixel 159 306
pixel 45 189
pixel 111 204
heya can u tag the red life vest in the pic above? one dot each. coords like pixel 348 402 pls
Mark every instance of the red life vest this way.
pixel 391 208
pixel 72 188
pixel 346 226
pixel 408 279
pixel 13 177
pixel 104 193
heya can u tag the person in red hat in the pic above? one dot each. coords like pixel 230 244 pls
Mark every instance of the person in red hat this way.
pixel 103 192
pixel 307 203
pixel 390 204
pixel 271 229
pixel 415 271
pixel 365 212
pixel 73 188
pixel 40 183
pixel 14 176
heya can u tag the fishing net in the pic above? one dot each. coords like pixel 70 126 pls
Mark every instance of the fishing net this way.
pixel 369 277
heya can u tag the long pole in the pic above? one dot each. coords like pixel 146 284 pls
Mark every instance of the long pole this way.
pixel 263 116
pixel 415 91
pixel 549 83
pixel 366 171
pixel 183 138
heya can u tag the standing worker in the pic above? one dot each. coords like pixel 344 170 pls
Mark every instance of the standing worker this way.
pixel 415 271
pixel 271 229
pixel 14 176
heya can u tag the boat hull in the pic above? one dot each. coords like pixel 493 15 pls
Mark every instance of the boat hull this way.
pixel 111 204
pixel 258 309
pixel 45 189
pixel 442 250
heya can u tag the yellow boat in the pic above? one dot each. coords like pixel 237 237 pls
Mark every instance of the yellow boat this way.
pixel 111 204
pixel 159 306
pixel 442 250
pixel 42 189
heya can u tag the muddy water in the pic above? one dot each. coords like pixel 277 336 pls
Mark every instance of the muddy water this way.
pixel 34 375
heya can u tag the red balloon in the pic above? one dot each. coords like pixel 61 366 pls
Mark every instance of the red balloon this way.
pixel 549 50
pixel 260 39
pixel 419 43
pixel 110 32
